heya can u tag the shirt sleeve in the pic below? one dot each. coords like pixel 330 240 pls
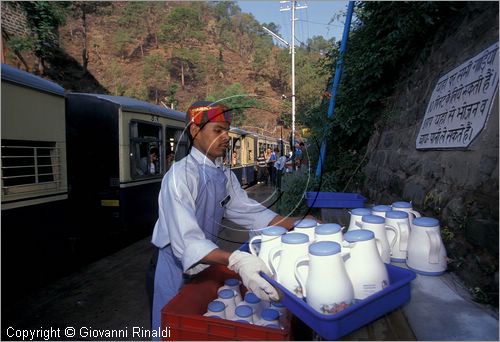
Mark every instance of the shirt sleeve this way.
pixel 177 219
pixel 243 210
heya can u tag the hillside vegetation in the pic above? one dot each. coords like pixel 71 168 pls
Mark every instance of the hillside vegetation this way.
pixel 170 53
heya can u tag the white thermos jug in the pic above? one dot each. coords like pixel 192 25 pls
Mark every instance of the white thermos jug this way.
pixel 426 252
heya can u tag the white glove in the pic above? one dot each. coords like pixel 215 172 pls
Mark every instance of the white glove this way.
pixel 248 267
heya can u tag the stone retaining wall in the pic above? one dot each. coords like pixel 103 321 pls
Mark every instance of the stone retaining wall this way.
pixel 455 185
pixel 459 187
pixel 14 19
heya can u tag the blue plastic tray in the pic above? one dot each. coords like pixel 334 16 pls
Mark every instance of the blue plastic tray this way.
pixel 333 327
pixel 334 200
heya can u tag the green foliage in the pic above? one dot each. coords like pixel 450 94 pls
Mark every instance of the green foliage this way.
pixel 44 18
pixel 133 14
pixel 187 62
pixel 236 98
pixel 117 83
pixel 139 91
pixel 319 44
pixel 295 185
pixel 82 9
pixel 386 37
pixel 171 92
pixel 181 25
pixel 21 43
pixel 155 75
pixel 120 42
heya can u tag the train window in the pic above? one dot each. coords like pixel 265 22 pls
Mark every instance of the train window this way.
pixel 30 166
pixel 249 148
pixel 177 143
pixel 236 152
pixel 145 149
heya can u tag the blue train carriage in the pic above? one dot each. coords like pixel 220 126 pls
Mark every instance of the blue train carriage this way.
pixel 265 142
pixel 34 177
pixel 241 155
pixel 119 148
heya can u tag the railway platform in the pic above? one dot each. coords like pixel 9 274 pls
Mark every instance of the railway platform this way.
pixel 110 294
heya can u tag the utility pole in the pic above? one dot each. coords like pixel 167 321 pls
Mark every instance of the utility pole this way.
pixel 294 6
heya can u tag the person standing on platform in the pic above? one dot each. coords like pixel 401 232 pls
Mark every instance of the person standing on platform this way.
pixel 279 165
pixel 196 193
pixel 262 169
pixel 270 167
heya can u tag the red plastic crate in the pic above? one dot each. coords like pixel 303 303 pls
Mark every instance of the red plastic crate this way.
pixel 183 315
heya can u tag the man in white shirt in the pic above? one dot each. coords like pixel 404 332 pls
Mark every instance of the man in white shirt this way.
pixel 279 165
pixel 196 193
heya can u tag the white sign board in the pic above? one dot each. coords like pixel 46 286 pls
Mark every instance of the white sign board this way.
pixel 460 103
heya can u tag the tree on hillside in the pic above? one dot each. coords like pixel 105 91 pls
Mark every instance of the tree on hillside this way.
pixel 247 28
pixel 44 19
pixel 181 26
pixel 319 44
pixel 138 21
pixel 223 11
pixel 187 63
pixel 81 10
pixel 155 76
pixel 236 98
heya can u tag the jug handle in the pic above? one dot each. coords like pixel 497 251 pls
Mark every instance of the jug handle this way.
pixel 250 244
pixel 416 213
pixel 272 254
pixel 303 259
pixel 379 246
pixel 404 230
pixel 344 253
pixel 359 224
pixel 435 246
pixel 396 233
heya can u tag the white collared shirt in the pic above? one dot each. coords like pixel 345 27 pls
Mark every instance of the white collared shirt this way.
pixel 177 223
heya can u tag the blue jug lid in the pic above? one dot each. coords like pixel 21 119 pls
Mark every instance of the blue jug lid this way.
pixel 372 219
pixel 361 211
pixel 396 214
pixel 231 282
pixel 328 228
pixel 243 311
pixel 277 304
pixel 324 248
pixel 294 238
pixel 426 222
pixel 274 231
pixel 401 205
pixel 381 208
pixel 270 314
pixel 305 223
pixel 251 298
pixel 359 235
pixel 216 306
pixel 226 293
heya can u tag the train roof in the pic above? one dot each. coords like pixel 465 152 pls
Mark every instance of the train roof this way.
pixel 131 104
pixel 239 130
pixel 15 75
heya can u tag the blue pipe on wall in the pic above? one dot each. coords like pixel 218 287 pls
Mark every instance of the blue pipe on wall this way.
pixel 336 81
